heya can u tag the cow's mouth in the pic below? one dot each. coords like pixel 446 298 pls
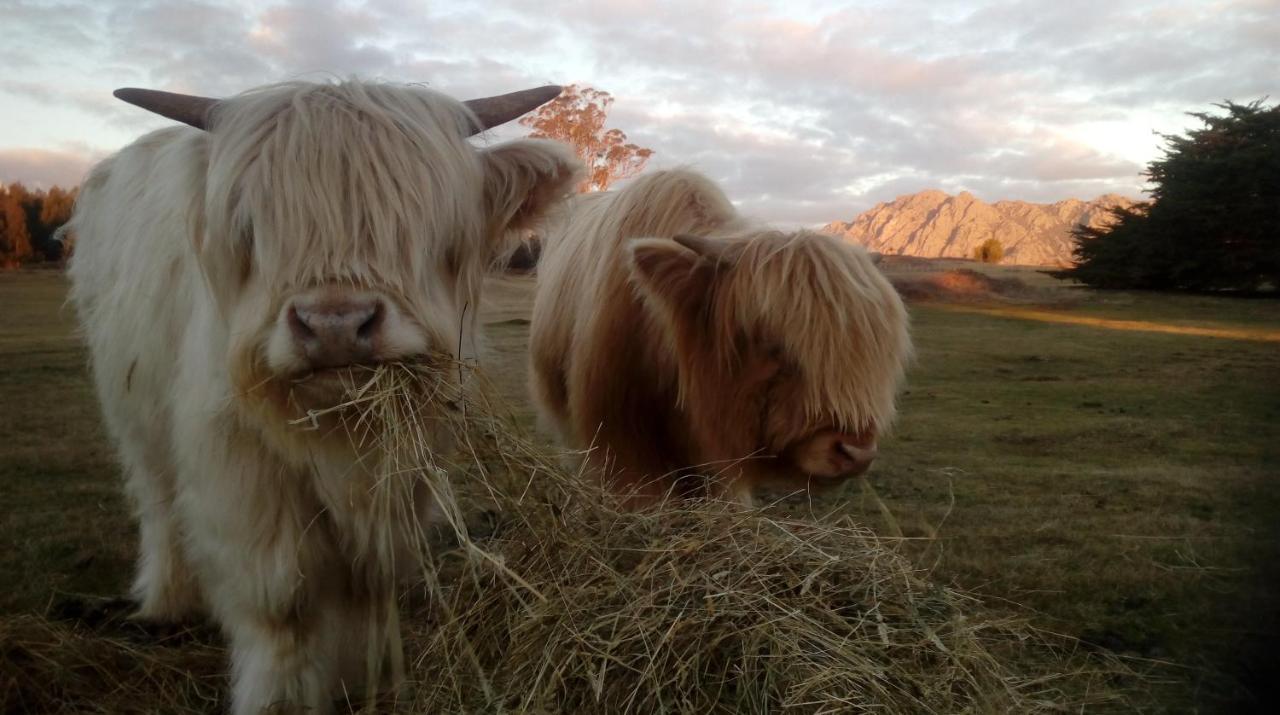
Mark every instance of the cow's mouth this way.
pixel 330 385
pixel 334 372
pixel 427 378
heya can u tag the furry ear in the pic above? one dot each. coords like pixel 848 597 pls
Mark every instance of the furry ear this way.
pixel 523 179
pixel 670 273
pixel 709 248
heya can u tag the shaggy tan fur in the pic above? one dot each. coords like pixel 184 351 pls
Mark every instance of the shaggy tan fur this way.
pixel 674 337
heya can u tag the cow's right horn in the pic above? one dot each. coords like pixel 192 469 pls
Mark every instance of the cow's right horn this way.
pixel 185 108
pixel 492 111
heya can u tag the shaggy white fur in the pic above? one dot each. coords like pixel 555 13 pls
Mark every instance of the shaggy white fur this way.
pixel 189 248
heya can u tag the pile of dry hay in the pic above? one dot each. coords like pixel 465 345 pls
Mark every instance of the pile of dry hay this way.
pixel 568 604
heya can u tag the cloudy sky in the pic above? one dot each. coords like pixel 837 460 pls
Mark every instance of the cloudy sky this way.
pixel 807 110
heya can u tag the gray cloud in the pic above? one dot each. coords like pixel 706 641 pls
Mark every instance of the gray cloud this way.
pixel 55 96
pixel 196 47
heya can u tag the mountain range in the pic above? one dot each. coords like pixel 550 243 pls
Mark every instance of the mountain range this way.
pixel 935 224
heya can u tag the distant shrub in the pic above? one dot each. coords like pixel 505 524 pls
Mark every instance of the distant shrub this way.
pixel 989 251
pixel 28 222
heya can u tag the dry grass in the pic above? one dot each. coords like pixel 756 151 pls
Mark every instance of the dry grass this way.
pixel 1117 483
pixel 49 666
pixel 570 604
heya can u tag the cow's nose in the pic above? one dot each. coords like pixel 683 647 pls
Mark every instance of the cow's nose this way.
pixel 337 331
pixel 859 456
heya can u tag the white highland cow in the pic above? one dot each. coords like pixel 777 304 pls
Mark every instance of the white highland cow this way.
pixel 293 230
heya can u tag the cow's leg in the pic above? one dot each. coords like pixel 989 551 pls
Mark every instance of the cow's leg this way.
pixel 550 392
pixel 638 480
pixel 732 487
pixel 164 587
pixel 317 647
pixel 272 575
pixel 283 611
pixel 284 662
pixel 280 597
pixel 371 660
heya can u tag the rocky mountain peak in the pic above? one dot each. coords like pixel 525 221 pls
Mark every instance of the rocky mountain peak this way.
pixel 934 224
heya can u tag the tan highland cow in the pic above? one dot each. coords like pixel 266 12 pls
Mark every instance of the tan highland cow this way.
pixel 226 275
pixel 695 353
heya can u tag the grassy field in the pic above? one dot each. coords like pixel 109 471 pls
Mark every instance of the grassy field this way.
pixel 1110 482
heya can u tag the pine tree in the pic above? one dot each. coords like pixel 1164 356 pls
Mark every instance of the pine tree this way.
pixel 1213 221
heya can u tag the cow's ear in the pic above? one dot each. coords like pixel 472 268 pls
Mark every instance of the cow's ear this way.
pixel 718 252
pixel 525 178
pixel 671 273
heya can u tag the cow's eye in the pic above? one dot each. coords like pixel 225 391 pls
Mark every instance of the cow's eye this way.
pixel 244 254
pixel 452 261
pixel 786 367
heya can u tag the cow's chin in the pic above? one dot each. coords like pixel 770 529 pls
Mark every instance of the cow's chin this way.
pixel 820 460
pixel 822 471
pixel 828 478
pixel 785 475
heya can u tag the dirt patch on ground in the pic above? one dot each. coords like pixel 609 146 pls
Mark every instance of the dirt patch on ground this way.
pixel 964 285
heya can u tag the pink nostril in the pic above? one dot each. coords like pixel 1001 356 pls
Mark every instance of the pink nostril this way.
pixel 299 326
pixel 860 455
pixel 336 330
pixel 370 326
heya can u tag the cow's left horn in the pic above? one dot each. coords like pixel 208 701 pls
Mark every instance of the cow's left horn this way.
pixel 492 111
pixel 185 108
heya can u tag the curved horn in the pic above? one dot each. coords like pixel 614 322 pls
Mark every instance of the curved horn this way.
pixel 185 108
pixel 492 111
